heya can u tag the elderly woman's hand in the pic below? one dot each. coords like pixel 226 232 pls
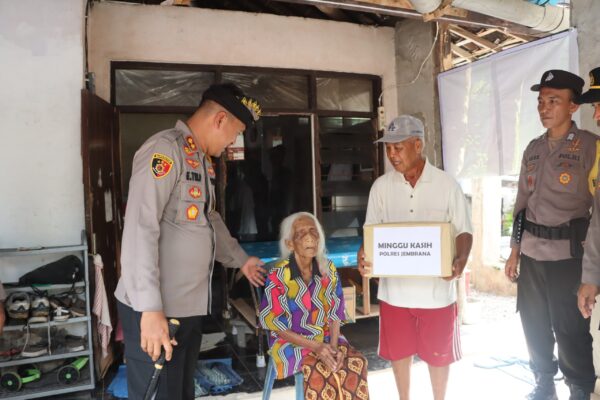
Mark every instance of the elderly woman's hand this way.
pixel 327 355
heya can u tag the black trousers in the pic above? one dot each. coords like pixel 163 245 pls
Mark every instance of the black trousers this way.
pixel 176 381
pixel 547 302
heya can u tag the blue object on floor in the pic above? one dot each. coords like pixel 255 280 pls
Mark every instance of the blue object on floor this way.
pixel 512 366
pixel 221 367
pixel 118 386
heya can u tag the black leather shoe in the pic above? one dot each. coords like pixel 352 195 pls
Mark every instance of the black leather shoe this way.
pixel 544 388
pixel 542 393
pixel 578 393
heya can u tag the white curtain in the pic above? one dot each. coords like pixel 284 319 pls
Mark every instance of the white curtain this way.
pixel 488 111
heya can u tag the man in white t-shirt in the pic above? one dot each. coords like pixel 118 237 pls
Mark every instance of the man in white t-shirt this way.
pixel 418 315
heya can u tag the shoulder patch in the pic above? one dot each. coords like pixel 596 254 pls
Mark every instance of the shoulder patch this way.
pixel 160 165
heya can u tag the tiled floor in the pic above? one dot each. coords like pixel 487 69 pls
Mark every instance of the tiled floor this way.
pixel 486 345
pixel 362 335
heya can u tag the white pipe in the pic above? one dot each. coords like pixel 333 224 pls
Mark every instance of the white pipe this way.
pixel 426 6
pixel 544 19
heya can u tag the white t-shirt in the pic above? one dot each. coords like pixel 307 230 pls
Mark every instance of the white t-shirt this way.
pixel 436 197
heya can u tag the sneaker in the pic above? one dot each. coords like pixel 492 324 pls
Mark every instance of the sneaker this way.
pixel 37 320
pixel 40 306
pixel 78 308
pixel 75 343
pixel 35 350
pixel 17 305
pixel 59 301
pixel 60 314
pixel 36 346
pixel 63 341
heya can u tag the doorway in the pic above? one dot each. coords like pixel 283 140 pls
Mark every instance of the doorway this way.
pixel 274 180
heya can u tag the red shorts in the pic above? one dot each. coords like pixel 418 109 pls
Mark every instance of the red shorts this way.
pixel 432 334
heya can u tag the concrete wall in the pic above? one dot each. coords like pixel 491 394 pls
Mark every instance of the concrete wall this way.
pixel 584 16
pixel 413 42
pixel 199 36
pixel 41 75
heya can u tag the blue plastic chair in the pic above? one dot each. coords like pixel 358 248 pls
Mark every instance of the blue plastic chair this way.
pixel 270 379
pixel 271 371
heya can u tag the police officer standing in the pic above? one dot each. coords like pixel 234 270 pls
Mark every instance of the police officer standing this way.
pixel 590 279
pixel 171 238
pixel 551 215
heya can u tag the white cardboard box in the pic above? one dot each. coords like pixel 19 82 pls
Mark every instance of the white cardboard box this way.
pixel 410 249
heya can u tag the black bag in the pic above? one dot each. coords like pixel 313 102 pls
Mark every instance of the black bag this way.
pixel 67 270
pixel 578 227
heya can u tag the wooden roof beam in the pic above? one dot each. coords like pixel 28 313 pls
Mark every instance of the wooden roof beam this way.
pixel 462 53
pixel 481 42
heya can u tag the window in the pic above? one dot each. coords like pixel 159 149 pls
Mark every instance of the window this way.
pixel 311 151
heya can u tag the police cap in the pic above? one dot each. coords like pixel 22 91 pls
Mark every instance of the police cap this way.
pixel 593 94
pixel 559 79
pixel 231 97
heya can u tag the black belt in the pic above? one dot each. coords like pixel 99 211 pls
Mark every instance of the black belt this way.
pixel 548 232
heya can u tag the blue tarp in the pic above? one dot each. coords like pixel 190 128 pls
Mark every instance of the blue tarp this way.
pixel 342 251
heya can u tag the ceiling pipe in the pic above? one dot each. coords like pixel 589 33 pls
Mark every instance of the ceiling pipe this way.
pixel 540 18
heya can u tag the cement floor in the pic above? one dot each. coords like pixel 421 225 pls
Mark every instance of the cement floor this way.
pixel 493 368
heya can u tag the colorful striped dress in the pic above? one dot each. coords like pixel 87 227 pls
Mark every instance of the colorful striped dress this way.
pixel 290 304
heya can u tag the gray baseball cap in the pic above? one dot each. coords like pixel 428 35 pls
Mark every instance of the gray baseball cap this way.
pixel 402 128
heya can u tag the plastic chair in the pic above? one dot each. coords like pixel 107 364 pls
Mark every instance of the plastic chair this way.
pixel 270 379
pixel 271 371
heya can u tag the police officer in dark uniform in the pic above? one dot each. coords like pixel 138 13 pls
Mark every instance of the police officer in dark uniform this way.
pixel 551 216
pixel 590 280
pixel 171 238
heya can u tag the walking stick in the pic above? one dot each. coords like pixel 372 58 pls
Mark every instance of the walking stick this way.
pixel 158 365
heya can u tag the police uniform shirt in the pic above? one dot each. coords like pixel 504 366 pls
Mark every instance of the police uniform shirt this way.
pixel 172 233
pixel 556 185
pixel 591 255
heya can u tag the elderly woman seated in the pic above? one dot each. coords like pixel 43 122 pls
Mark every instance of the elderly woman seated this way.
pixel 303 308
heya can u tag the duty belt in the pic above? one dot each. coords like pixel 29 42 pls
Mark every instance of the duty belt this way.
pixel 548 232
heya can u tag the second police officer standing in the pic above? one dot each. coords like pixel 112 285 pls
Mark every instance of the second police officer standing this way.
pixel 551 214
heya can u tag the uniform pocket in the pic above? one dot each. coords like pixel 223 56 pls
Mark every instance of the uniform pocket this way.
pixel 565 181
pixel 191 207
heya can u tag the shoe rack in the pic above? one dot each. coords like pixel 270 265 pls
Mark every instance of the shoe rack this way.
pixel 74 374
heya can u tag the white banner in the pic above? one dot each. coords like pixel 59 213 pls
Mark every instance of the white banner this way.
pixel 488 111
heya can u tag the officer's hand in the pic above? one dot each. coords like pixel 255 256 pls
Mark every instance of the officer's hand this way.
pixel 510 269
pixel 254 272
pixel 586 298
pixel 458 266
pixel 2 317
pixel 154 333
pixel 364 267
